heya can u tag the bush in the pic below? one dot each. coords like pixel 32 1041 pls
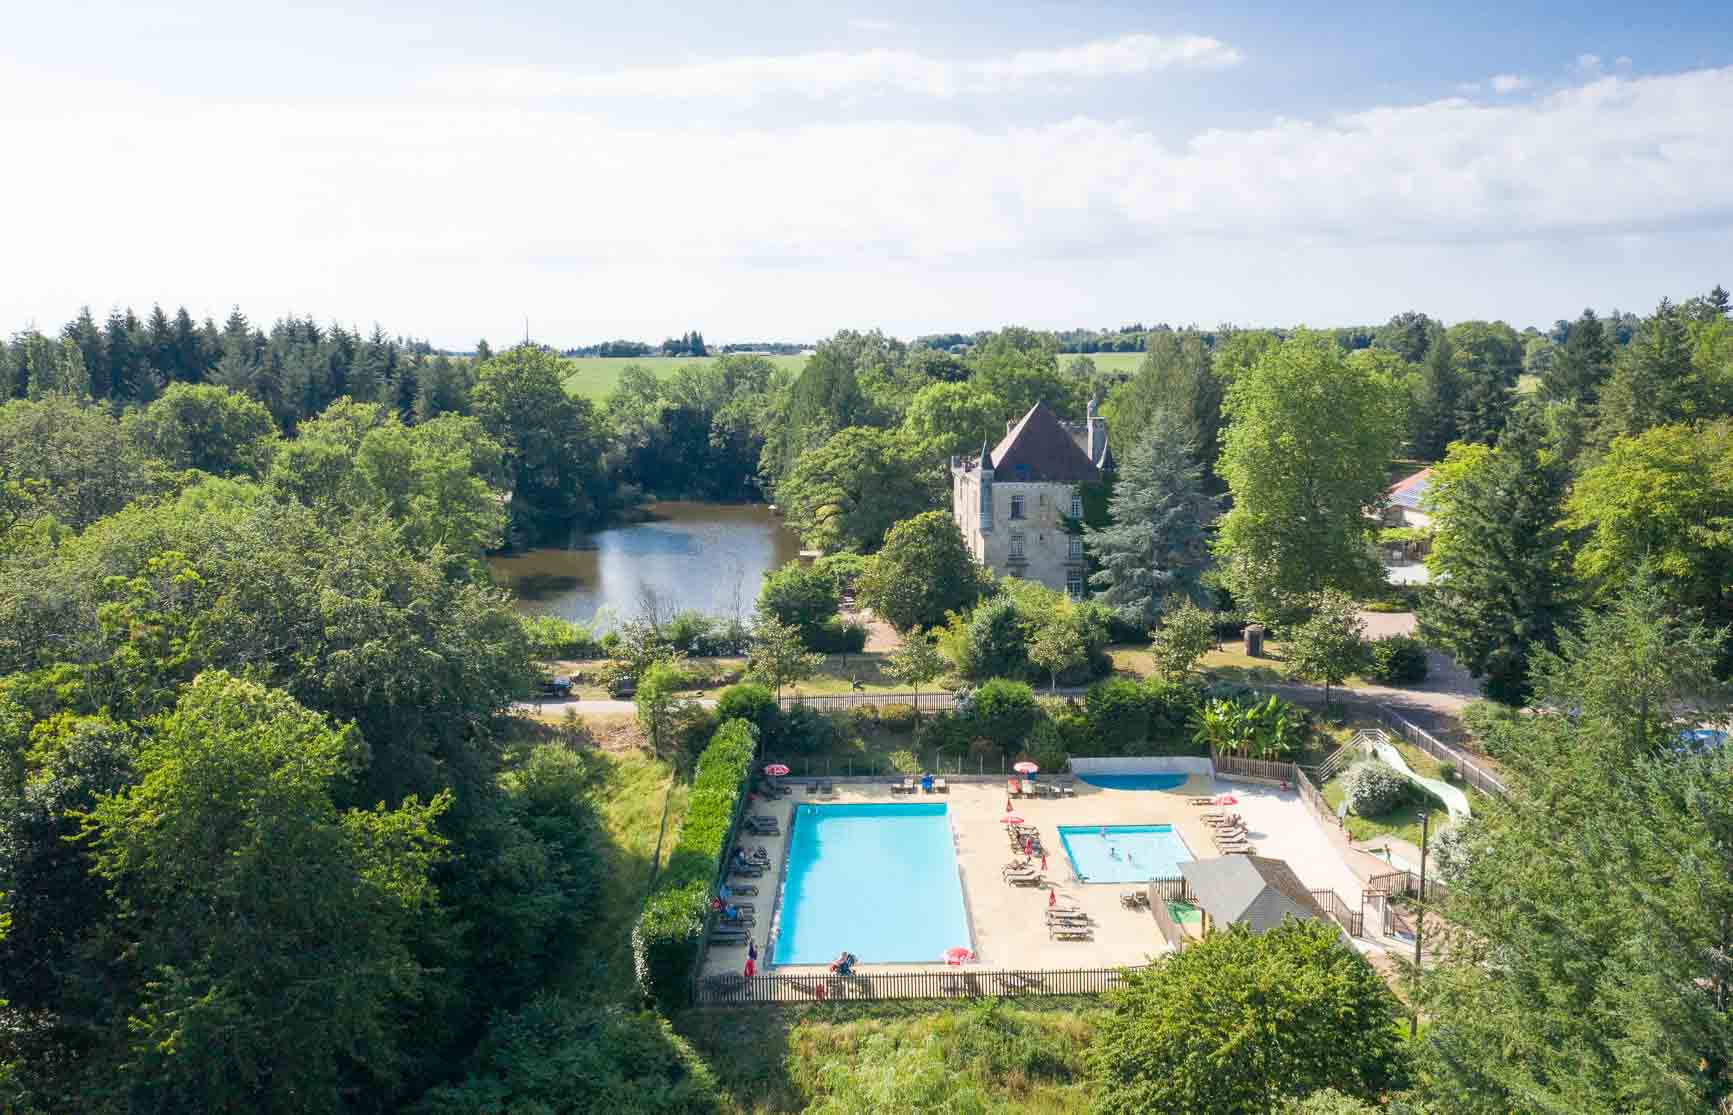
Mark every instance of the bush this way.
pixel 904 762
pixel 834 636
pixel 806 731
pixel 1004 713
pixel 1118 711
pixel 1489 723
pixel 865 717
pixel 552 637
pixel 665 939
pixel 689 630
pixel 755 703
pixel 799 596
pixel 1373 788
pixel 1397 660
pixel 898 718
pixel 1447 771
pixel 996 648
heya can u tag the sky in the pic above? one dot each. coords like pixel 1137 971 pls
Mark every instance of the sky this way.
pixel 779 171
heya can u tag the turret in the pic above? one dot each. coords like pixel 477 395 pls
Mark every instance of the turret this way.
pixel 986 471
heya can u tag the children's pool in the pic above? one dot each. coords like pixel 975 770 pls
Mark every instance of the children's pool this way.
pixel 1126 854
pixel 877 880
pixel 1134 781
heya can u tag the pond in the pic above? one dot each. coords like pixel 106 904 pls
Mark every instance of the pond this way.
pixel 704 557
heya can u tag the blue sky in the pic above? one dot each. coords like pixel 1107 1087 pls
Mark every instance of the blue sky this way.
pixel 783 170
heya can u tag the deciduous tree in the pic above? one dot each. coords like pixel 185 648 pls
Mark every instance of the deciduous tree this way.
pixel 1329 645
pixel 846 493
pixel 923 571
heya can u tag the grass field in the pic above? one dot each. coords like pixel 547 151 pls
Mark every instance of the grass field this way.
pixel 1126 362
pixel 595 377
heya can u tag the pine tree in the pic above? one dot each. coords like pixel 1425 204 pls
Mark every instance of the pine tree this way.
pixel 1499 563
pixel 189 350
pixel 93 352
pixel 1654 383
pixel 1583 363
pixel 1437 423
pixel 483 351
pixel 1157 546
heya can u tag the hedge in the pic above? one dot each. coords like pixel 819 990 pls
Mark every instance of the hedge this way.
pixel 665 940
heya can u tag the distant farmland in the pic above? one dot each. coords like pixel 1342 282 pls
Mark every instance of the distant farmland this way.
pixel 595 377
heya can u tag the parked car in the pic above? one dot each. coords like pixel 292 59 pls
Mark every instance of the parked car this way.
pixel 623 687
pixel 557 686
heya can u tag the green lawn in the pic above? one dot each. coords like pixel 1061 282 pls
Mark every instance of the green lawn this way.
pixel 1126 362
pixel 1019 1059
pixel 1404 822
pixel 595 377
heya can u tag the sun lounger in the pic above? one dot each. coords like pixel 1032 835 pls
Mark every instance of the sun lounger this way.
pixel 746 871
pixel 1133 898
pixel 1246 850
pixel 908 785
pixel 939 786
pixel 826 788
pixel 1067 790
pixel 1071 919
pixel 730 939
pixel 1025 880
pixel 1232 845
pixel 745 890
pixel 1200 801
pixel 1070 933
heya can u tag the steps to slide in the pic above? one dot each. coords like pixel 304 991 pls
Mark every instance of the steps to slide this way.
pixel 1454 799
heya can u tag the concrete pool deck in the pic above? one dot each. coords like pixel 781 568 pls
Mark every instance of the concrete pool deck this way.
pixel 1009 923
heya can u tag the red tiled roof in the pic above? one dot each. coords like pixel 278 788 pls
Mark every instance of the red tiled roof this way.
pixel 1039 450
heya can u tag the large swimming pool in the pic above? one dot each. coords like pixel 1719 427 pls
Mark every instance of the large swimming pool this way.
pixel 878 880
pixel 1123 853
pixel 1134 781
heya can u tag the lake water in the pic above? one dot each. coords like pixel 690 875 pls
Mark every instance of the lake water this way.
pixel 704 557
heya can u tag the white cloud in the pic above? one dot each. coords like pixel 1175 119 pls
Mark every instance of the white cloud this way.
pixel 1589 61
pixel 1622 60
pixel 1468 87
pixel 833 72
pixel 431 217
pixel 1508 83
pixel 874 26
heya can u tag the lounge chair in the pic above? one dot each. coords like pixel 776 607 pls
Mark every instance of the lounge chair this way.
pixel 1133 899
pixel 939 786
pixel 1014 787
pixel 746 871
pixel 907 786
pixel 1241 850
pixel 730 938
pixel 746 890
pixel 1071 919
pixel 1025 880
pixel 1067 790
pixel 1025 871
pixel 1200 801
pixel 1028 788
pixel 1232 845
pixel 826 788
pixel 1070 933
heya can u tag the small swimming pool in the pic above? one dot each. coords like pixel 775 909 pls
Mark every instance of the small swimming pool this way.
pixel 1126 854
pixel 1134 781
pixel 879 880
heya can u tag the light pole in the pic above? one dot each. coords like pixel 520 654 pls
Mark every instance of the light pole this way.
pixel 1419 928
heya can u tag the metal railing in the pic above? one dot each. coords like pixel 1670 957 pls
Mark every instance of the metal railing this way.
pixel 1466 768
pixel 1354 921
pixel 962 983
pixel 1406 883
pixel 940 701
pixel 870 764
pixel 1312 797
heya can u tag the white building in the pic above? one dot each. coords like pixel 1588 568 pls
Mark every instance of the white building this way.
pixel 1408 528
pixel 1018 503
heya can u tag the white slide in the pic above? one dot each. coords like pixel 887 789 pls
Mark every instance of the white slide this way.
pixel 1454 800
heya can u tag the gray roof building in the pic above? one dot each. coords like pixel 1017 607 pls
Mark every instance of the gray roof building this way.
pixel 1253 891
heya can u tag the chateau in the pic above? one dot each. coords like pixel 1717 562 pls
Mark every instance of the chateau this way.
pixel 1011 502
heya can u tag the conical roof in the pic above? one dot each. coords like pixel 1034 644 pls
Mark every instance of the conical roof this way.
pixel 1038 450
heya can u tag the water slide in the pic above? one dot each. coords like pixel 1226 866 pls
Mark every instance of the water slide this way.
pixel 1454 799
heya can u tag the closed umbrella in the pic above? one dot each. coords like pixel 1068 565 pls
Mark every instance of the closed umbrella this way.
pixel 1010 819
pixel 776 770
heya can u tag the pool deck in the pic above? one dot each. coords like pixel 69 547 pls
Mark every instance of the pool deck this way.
pixel 1009 922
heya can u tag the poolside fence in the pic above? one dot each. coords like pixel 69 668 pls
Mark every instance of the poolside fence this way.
pixel 962 983
pixel 1466 768
pixel 868 764
pixel 1236 767
pixel 1354 921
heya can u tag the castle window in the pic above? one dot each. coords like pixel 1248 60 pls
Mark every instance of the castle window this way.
pixel 1017 507
pixel 1016 552
pixel 1074 586
pixel 1076 548
pixel 1076 506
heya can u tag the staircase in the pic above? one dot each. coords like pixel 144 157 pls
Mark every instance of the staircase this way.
pixel 1363 742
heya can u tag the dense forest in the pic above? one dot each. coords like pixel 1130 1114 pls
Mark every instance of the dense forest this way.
pixel 271 840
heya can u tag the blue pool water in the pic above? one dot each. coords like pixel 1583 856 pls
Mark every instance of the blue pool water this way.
pixel 1144 852
pixel 878 880
pixel 1701 739
pixel 1134 781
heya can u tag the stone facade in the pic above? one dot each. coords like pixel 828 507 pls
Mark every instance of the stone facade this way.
pixel 1011 503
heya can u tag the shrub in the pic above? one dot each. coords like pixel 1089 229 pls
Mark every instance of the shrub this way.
pixel 665 939
pixel 834 636
pixel 995 645
pixel 1397 660
pixel 806 731
pixel 1374 788
pixel 1004 712
pixel 753 702
pixel 904 762
pixel 1118 711
pixel 1489 723
pixel 800 596
pixel 1447 771
pixel 898 718
pixel 688 630
pixel 865 717
pixel 553 637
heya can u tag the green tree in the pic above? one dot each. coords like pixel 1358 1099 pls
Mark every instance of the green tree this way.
pixel 801 596
pixel 1176 382
pixel 1003 711
pixel 1118 712
pixel 1500 586
pixel 923 571
pixel 778 657
pixel 1242 1022
pixel 946 419
pixel 1186 634
pixel 208 428
pixel 916 661
pixel 1561 931
pixel 1653 381
pixel 1489 363
pixel 1059 646
pixel 1329 645
pixel 658 703
pixel 255 907
pixel 1157 547
pixel 846 493
pixel 1436 422
pixel 551 442
pixel 1310 438
pixel 1021 366
pixel 1660 501
pixel 1584 362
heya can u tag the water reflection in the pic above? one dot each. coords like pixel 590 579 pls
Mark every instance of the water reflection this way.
pixel 701 556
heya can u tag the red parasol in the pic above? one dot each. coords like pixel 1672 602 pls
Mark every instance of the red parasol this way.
pixel 1226 799
pixel 1010 819
pixel 1026 767
pixel 958 956
pixel 776 770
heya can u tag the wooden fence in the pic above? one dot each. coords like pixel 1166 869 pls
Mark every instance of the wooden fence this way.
pixel 940 701
pixel 1233 766
pixel 963 983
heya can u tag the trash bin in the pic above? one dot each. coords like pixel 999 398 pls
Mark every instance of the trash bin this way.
pixel 1254 640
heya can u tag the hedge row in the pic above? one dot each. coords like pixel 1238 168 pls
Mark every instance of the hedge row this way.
pixel 665 940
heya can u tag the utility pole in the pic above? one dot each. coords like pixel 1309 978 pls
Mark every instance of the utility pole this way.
pixel 1419 928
